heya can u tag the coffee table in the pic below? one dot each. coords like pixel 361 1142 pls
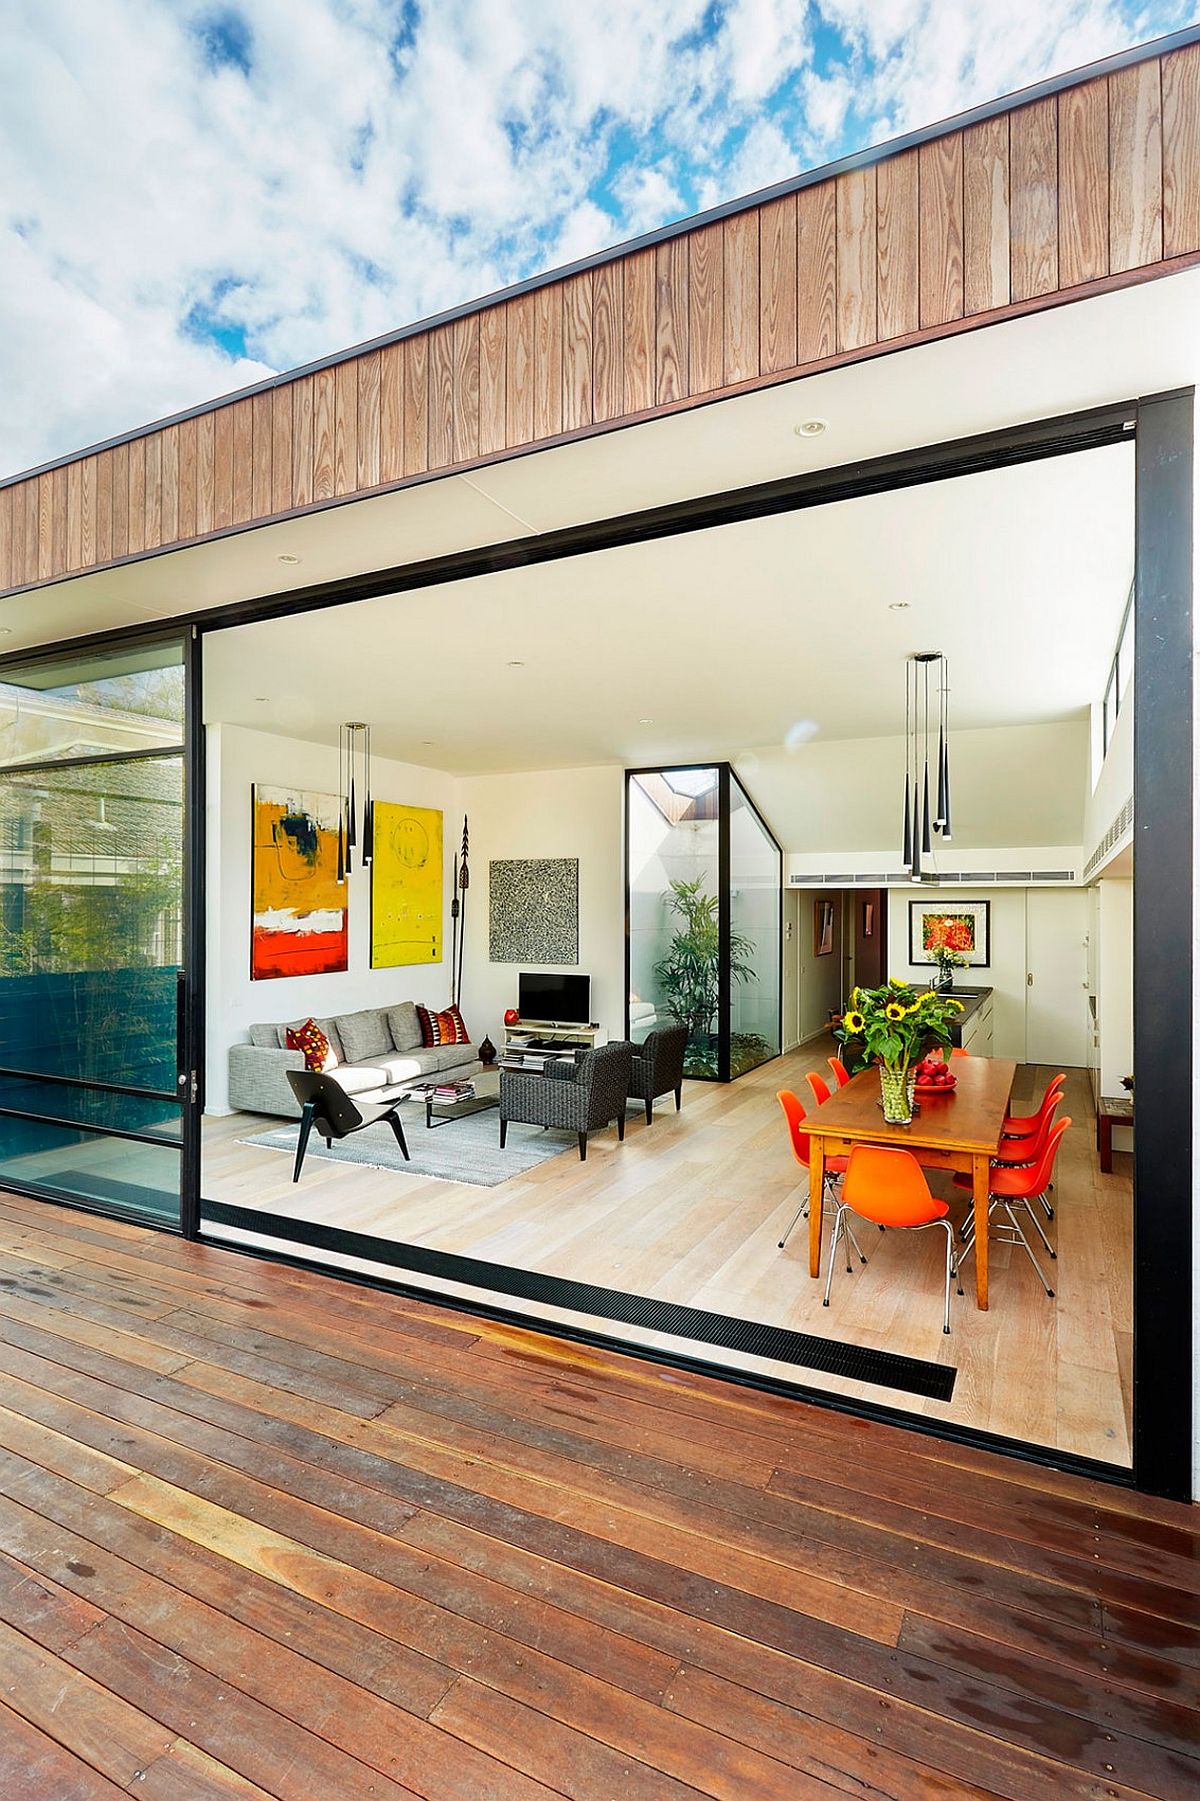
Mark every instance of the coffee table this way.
pixel 442 1109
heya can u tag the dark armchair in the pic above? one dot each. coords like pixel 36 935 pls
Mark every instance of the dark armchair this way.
pixel 575 1097
pixel 658 1067
pixel 325 1104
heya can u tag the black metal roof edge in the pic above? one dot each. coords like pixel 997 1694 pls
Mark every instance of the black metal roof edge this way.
pixel 858 159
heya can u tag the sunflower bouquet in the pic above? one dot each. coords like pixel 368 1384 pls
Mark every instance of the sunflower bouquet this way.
pixel 895 1026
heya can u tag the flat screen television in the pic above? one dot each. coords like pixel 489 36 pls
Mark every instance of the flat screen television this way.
pixel 558 1000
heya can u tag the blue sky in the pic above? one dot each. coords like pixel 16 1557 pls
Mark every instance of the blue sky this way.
pixel 193 195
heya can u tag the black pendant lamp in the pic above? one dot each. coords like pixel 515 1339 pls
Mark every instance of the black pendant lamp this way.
pixel 922 816
pixel 354 743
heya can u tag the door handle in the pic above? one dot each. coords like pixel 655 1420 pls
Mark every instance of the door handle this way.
pixel 1029 979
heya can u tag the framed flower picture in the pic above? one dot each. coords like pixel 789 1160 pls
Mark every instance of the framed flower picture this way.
pixel 963 927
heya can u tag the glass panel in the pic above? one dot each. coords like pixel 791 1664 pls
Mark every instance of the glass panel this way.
pixel 131 700
pixel 111 1172
pixel 755 878
pixel 91 863
pixel 674 909
pixel 91 1106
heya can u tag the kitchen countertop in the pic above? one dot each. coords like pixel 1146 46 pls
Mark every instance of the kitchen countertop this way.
pixel 972 999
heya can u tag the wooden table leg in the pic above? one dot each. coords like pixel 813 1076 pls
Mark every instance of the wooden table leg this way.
pixel 1104 1126
pixel 816 1201
pixel 980 1171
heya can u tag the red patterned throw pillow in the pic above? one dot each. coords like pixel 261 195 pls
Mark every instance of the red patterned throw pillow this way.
pixel 318 1053
pixel 442 1028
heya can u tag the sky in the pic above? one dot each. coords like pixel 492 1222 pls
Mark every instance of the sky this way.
pixel 196 195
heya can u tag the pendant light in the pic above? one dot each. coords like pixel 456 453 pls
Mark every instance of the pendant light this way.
pixel 354 741
pixel 908 832
pixel 922 816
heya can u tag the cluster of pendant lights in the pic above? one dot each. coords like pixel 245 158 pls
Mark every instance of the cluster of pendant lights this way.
pixel 922 817
pixel 354 745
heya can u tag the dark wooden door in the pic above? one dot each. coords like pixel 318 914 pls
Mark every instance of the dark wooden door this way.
pixel 870 936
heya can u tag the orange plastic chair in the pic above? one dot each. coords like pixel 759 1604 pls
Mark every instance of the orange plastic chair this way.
pixel 889 1187
pixel 1027 1124
pixel 1009 1188
pixel 956 1050
pixel 835 1167
pixel 820 1087
pixel 841 1074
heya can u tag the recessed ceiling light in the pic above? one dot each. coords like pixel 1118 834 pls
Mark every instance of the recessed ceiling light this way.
pixel 645 722
pixel 288 559
pixel 5 631
pixel 429 741
pixel 261 697
pixel 516 663
pixel 897 606
pixel 810 428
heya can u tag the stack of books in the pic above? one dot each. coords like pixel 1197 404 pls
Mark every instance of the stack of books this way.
pixel 454 1091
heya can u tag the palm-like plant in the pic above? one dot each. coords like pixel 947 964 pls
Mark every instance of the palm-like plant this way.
pixel 690 973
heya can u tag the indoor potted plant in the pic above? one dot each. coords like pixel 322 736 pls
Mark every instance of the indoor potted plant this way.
pixel 896 1025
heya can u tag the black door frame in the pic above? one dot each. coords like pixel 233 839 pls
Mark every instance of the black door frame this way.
pixel 1163 872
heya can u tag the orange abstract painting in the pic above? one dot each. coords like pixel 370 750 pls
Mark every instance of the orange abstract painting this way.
pixel 300 910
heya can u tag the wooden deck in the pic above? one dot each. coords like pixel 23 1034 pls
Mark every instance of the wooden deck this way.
pixel 266 1533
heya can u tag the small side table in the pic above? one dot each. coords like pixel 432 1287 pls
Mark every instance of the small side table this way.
pixel 1110 1112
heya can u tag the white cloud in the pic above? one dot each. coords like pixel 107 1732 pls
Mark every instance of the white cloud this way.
pixel 377 160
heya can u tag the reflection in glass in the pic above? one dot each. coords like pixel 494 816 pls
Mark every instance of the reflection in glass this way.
pixel 755 888
pixel 109 1172
pixel 131 700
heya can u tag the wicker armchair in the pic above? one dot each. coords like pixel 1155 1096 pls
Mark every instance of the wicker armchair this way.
pixel 571 1097
pixel 658 1067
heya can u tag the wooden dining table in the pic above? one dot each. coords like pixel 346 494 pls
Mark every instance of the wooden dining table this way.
pixel 958 1130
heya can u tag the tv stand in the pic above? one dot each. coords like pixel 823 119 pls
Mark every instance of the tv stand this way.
pixel 545 1035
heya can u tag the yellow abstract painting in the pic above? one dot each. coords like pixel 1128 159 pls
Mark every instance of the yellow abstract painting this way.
pixel 406 886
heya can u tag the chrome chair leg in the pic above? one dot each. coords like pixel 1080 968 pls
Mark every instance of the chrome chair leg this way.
pixel 837 1232
pixel 800 1213
pixel 1028 1249
pixel 950 1271
pixel 858 1248
pixel 1040 1230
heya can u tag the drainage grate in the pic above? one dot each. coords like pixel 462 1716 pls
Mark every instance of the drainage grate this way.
pixel 934 1381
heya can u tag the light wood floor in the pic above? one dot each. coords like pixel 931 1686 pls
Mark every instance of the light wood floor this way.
pixel 264 1534
pixel 690 1210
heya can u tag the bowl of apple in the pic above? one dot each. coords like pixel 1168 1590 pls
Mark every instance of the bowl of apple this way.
pixel 934 1075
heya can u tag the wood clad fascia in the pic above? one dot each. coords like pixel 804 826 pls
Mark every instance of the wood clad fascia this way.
pixel 416 404
pixel 26 532
pixel 518 380
pixel 671 353
pixel 816 272
pixel 369 370
pixel 1034 178
pixel 941 208
pixel 303 407
pixel 104 511
pixel 986 217
pixel 137 501
pixel 241 419
pixel 547 361
pixel 639 377
pixel 262 455
pixel 119 456
pixel 577 351
pixel 281 465
pixel 168 515
pixel 221 469
pixel 7 500
pixel 189 478
pixel 777 285
pixel 152 527
pixel 324 413
pixel 608 341
pixel 1135 218
pixel 391 413
pixel 464 346
pixel 1083 183
pixel 897 197
pixel 493 380
pixel 345 427
pixel 44 562
pixel 740 245
pixel 706 309
pixel 1181 151
pixel 857 321
pixel 441 397
pixel 58 520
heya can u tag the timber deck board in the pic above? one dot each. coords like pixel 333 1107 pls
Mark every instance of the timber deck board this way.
pixel 262 1532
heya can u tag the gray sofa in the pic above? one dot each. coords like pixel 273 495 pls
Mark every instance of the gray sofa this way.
pixel 378 1047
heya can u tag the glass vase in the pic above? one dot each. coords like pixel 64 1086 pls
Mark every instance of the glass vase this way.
pixel 897 1096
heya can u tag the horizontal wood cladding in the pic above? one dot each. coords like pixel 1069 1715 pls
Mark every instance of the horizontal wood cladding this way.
pixel 1085 186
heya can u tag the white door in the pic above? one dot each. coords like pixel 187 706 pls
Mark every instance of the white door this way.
pixel 1056 973
pixel 791 969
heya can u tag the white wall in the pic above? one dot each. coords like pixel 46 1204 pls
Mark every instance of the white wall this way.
pixel 238 758
pixel 1114 982
pixel 549 813
pixel 1011 785
pixel 1006 974
pixel 820 977
pixel 1114 785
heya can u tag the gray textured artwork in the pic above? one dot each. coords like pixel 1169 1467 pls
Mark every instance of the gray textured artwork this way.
pixel 533 910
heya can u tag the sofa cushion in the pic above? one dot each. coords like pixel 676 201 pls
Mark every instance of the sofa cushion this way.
pixel 451 1056
pixel 405 1027
pixel 364 1035
pixel 319 1054
pixel 266 1037
pixel 446 1027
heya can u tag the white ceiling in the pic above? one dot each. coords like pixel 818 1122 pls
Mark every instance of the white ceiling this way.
pixel 703 645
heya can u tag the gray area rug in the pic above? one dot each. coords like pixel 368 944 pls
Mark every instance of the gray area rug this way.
pixel 464 1150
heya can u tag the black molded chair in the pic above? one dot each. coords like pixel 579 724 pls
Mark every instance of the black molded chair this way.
pixel 658 1067
pixel 325 1104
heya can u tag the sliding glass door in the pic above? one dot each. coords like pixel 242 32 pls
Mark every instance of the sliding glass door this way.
pixel 94 1083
